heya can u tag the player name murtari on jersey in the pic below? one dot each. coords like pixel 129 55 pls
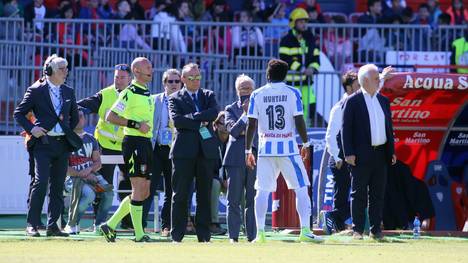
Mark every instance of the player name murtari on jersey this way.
pixel 274 106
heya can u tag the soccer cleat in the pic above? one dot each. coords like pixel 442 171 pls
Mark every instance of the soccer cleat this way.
pixel 378 237
pixel 327 223
pixel 145 239
pixel 108 232
pixel 307 236
pixel 260 237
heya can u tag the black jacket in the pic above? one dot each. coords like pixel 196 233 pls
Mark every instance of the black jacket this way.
pixel 356 133
pixel 37 99
pixel 290 51
pixel 188 142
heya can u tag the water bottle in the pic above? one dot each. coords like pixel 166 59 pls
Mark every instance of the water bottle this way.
pixel 416 228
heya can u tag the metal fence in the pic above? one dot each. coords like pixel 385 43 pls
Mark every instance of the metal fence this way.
pixel 223 51
pixel 342 43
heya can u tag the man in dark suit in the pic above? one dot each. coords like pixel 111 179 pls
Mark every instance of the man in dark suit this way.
pixel 368 148
pixel 240 179
pixel 54 105
pixel 194 152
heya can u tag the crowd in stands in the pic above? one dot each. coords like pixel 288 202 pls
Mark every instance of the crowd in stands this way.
pixel 379 11
pixel 245 40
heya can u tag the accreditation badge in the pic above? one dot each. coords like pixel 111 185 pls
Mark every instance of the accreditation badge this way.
pixel 205 133
pixel 166 136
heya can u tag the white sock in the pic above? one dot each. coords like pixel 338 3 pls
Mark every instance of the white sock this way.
pixel 261 206
pixel 303 206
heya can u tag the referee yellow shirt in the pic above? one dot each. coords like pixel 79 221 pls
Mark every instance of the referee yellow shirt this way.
pixel 135 103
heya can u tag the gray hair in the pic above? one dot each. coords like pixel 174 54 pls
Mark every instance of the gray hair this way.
pixel 171 71
pixel 55 62
pixel 241 78
pixel 189 67
pixel 363 72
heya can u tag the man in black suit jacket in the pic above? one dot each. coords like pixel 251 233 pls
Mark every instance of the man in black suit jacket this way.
pixel 369 148
pixel 194 152
pixel 51 101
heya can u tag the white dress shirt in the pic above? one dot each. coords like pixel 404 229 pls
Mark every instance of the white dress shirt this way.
pixel 55 97
pixel 335 124
pixel 376 119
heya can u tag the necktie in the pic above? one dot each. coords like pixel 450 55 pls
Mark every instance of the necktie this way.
pixel 165 113
pixel 195 100
pixel 57 102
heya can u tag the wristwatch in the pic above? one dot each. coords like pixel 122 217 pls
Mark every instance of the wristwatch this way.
pixel 133 124
pixel 248 151
pixel 306 144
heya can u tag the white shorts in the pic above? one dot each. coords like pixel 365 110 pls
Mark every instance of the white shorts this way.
pixel 291 167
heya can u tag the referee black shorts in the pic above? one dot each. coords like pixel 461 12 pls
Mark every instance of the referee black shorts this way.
pixel 138 156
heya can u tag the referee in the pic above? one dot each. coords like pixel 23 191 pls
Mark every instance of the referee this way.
pixel 134 109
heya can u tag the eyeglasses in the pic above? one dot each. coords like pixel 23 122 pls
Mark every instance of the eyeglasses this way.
pixel 122 67
pixel 192 78
pixel 170 81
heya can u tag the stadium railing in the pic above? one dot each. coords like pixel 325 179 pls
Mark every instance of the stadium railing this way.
pixel 92 47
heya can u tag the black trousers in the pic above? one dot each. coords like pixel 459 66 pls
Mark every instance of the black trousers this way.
pixel 31 173
pixel 341 208
pixel 183 173
pixel 368 183
pixel 107 170
pixel 162 165
pixel 241 181
pixel 51 164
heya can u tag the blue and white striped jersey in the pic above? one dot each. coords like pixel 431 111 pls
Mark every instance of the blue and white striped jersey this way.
pixel 274 106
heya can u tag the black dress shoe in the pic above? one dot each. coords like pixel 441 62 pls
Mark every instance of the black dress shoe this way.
pixel 377 236
pixel 56 233
pixel 32 231
pixel 217 230
pixel 41 226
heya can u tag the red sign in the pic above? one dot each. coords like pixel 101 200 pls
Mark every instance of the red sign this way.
pixel 423 108
pixel 427 100
pixel 417 148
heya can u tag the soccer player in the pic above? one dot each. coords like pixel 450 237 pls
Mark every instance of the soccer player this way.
pixel 277 108
pixel 134 109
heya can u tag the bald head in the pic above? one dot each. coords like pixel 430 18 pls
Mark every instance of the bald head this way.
pixel 142 70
